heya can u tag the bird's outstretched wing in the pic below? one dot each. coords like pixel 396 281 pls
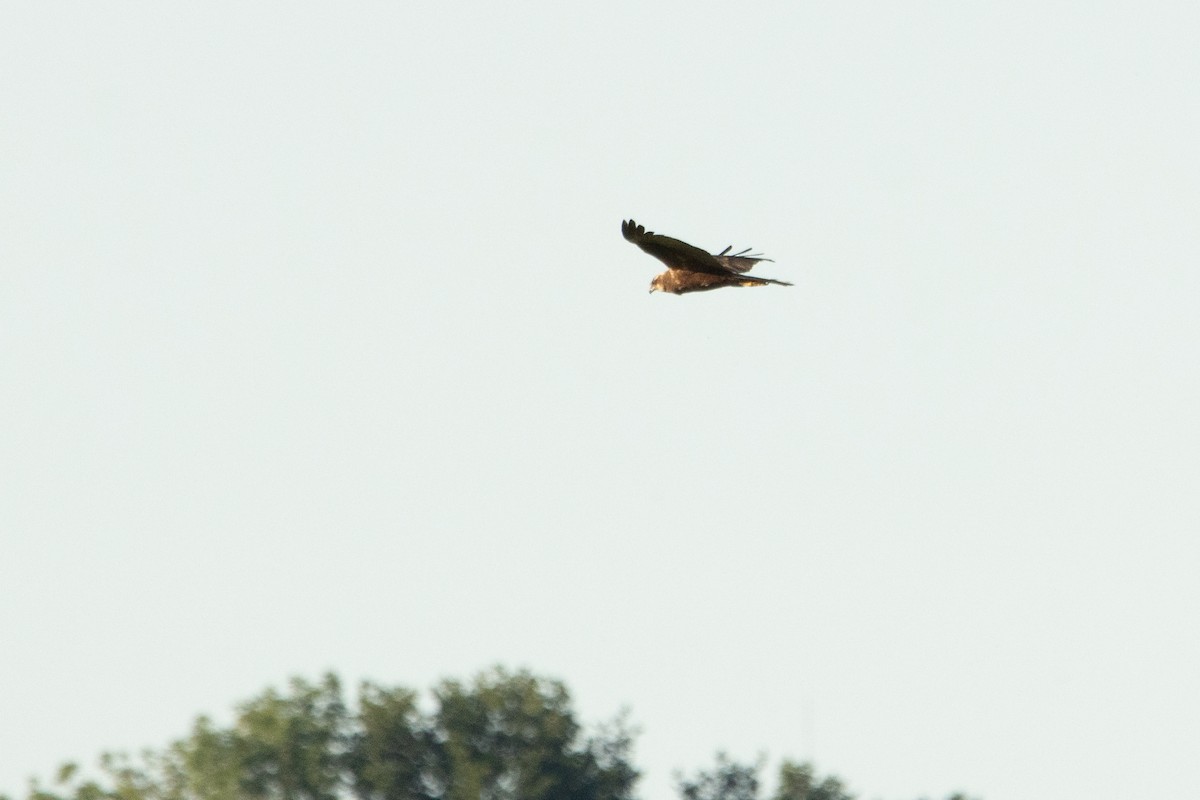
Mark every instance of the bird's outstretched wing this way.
pixel 676 254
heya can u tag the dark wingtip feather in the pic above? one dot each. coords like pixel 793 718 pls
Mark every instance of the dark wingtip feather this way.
pixel 631 230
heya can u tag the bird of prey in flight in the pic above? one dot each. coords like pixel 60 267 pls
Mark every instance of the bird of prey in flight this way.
pixel 690 269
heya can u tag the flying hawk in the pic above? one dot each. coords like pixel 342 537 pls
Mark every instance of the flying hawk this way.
pixel 690 269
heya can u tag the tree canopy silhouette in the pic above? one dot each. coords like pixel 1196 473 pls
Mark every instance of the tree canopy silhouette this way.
pixel 505 735
pixel 502 736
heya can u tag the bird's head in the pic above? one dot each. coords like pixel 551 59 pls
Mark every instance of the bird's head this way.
pixel 656 285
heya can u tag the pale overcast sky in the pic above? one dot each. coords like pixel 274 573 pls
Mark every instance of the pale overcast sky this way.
pixel 322 350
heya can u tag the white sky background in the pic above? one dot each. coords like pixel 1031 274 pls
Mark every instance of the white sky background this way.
pixel 322 350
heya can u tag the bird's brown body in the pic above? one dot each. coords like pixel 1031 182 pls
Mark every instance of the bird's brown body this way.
pixel 690 269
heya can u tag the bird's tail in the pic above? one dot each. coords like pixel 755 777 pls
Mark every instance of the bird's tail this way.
pixel 739 262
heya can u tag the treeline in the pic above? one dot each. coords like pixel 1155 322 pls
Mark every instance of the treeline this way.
pixel 503 736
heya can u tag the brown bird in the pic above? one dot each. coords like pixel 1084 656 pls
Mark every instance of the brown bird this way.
pixel 690 269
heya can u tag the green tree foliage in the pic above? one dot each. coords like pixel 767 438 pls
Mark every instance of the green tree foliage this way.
pixel 729 780
pixel 511 736
pixel 291 747
pixel 799 782
pixel 392 751
pixel 507 736
pixel 502 736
